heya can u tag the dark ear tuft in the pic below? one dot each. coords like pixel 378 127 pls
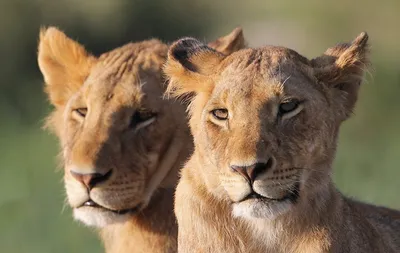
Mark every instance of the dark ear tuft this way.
pixel 189 67
pixel 184 49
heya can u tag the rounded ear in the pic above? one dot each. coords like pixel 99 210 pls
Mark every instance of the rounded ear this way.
pixel 190 66
pixel 342 69
pixel 64 63
pixel 229 43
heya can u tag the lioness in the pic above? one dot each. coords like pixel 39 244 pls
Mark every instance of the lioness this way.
pixel 122 144
pixel 265 124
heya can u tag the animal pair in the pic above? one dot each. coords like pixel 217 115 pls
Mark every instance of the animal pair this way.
pixel 264 122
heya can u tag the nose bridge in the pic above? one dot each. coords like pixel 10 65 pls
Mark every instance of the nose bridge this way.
pixel 246 143
pixel 254 143
pixel 87 150
pixel 84 151
pixel 266 121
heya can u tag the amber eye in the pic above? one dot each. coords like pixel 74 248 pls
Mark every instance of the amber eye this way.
pixel 140 117
pixel 81 112
pixel 220 114
pixel 288 107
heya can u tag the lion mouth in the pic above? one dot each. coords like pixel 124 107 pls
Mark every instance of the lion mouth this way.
pixel 292 196
pixel 90 203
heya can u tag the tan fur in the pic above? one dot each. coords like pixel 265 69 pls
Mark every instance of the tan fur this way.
pixel 291 204
pixel 96 100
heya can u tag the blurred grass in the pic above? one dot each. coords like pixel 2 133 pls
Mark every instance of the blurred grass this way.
pixel 32 217
pixel 367 165
pixel 31 203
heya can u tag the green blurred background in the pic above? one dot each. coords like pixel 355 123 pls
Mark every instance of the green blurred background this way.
pixel 33 216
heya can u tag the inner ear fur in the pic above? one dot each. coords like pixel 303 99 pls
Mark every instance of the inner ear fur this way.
pixel 64 63
pixel 342 68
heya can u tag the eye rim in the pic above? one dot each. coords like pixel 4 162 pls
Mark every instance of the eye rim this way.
pixel 297 103
pixel 137 117
pixel 81 111
pixel 218 117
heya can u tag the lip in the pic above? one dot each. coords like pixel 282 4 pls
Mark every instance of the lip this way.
pixel 91 204
pixel 292 196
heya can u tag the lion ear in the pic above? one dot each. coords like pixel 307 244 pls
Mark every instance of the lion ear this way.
pixel 342 69
pixel 229 43
pixel 64 64
pixel 190 66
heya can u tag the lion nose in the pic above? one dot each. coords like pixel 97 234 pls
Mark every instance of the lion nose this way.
pixel 250 172
pixel 90 180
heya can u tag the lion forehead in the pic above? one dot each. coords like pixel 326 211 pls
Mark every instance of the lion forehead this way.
pixel 126 74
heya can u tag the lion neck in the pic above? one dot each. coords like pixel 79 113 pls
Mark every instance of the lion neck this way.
pixel 154 229
pixel 311 226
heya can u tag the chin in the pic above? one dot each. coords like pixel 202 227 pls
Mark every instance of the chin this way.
pixel 261 208
pixel 98 217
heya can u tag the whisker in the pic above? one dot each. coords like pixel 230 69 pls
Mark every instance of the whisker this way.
pixel 64 205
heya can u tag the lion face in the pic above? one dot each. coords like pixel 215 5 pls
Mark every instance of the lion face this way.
pixel 119 138
pixel 265 121
pixel 115 134
pixel 261 135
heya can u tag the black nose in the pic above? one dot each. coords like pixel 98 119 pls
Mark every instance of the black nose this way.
pixel 252 171
pixel 90 180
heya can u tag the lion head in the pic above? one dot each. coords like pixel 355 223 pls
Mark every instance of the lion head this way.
pixel 265 121
pixel 120 140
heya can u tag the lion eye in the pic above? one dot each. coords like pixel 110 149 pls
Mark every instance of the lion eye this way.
pixel 81 112
pixel 288 107
pixel 140 117
pixel 220 114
